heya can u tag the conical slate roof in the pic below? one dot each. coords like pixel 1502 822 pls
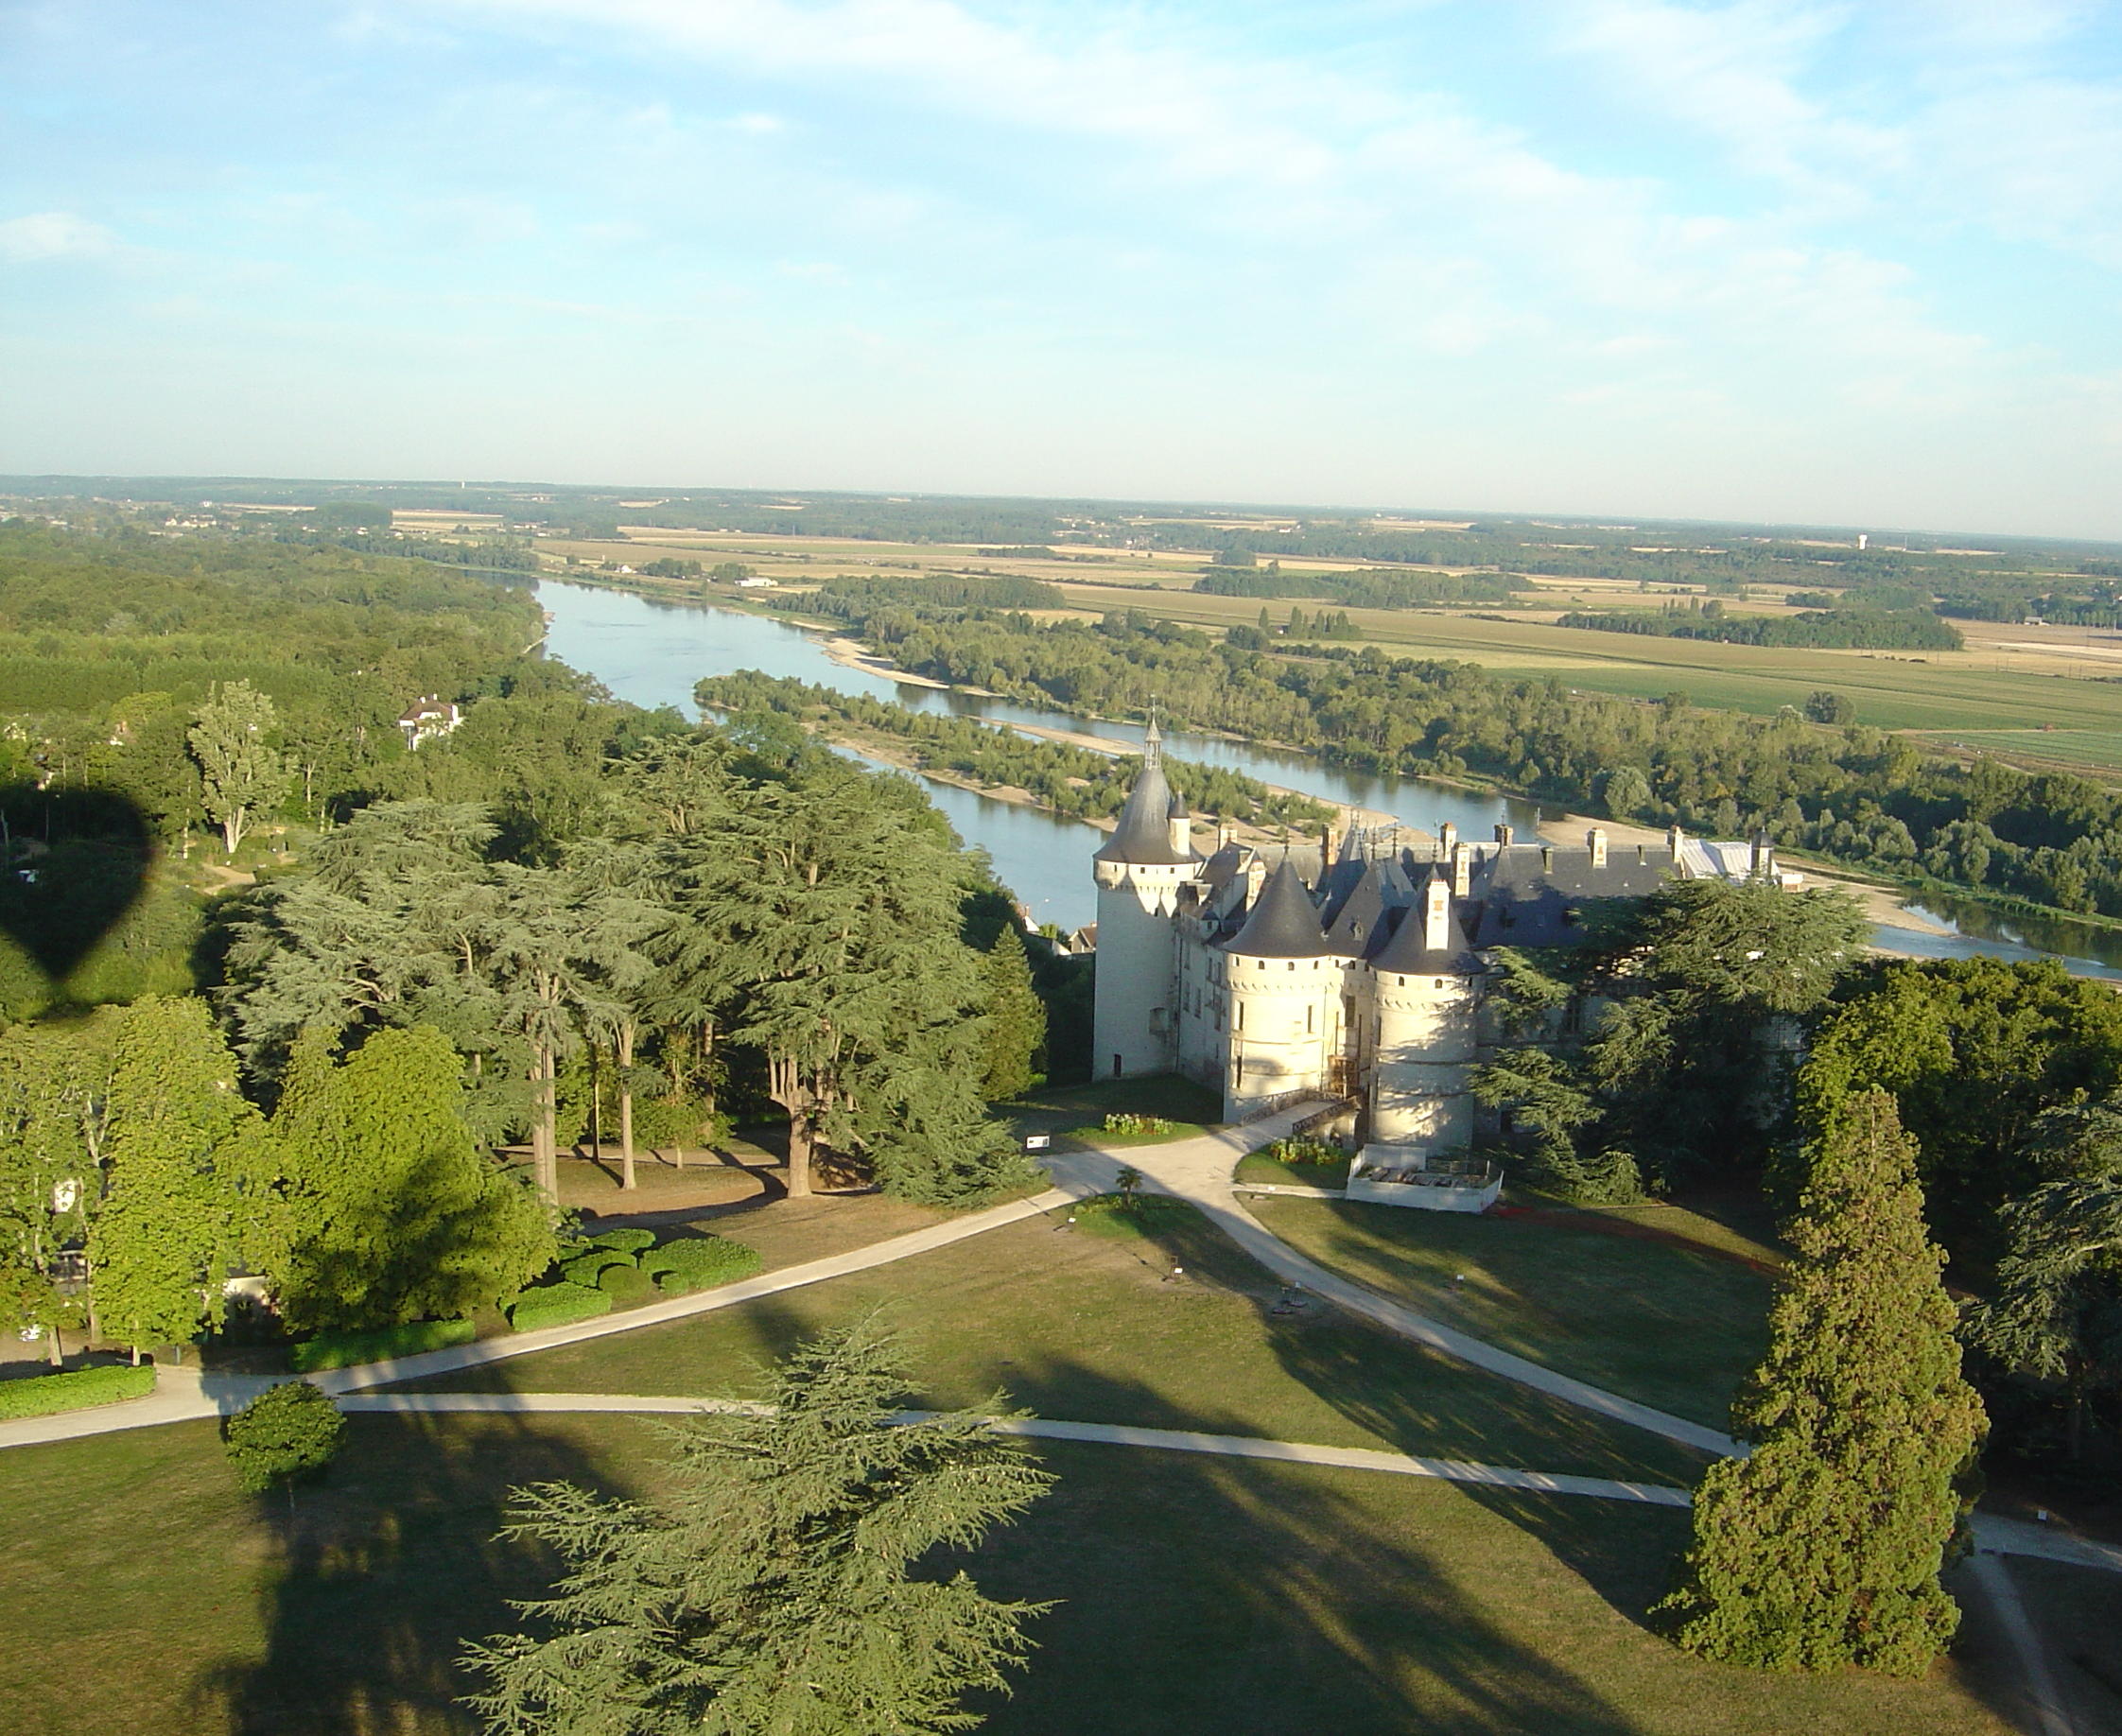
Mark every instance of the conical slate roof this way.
pixel 1282 925
pixel 1144 833
pixel 1362 915
pixel 1407 953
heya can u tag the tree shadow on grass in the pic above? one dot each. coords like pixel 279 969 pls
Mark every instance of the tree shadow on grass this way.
pixel 1223 1596
pixel 379 1574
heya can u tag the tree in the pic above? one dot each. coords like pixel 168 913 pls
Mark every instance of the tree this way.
pixel 1824 1546
pixel 1015 1018
pixel 2056 1315
pixel 54 1098
pixel 823 915
pixel 177 1130
pixel 1711 979
pixel 775 1588
pixel 1985 1060
pixel 287 1433
pixel 241 770
pixel 396 1215
pixel 1824 706
pixel 1625 792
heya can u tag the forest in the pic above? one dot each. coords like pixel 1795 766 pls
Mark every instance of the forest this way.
pixel 277 983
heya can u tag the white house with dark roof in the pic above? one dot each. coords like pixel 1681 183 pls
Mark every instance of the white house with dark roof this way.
pixel 1362 979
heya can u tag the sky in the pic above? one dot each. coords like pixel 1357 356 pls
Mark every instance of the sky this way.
pixel 1850 263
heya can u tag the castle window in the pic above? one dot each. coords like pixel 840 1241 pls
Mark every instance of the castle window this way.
pixel 1239 1018
pixel 1441 983
pixel 1309 1014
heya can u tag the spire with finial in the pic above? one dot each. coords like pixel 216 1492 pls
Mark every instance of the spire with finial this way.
pixel 1152 742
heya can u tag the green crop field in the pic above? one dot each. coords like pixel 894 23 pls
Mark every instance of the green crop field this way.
pixel 1940 690
pixel 2089 750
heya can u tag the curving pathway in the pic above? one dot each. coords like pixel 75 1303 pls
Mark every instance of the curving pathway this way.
pixel 1198 1170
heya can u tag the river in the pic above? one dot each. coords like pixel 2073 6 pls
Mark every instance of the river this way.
pixel 652 653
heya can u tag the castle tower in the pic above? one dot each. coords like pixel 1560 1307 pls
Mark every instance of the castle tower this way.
pixel 1138 872
pixel 1424 989
pixel 1285 985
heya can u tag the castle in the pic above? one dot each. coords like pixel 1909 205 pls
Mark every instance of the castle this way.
pixel 1365 983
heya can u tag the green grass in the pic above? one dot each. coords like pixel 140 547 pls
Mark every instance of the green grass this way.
pixel 1673 1327
pixel 1196 1597
pixel 1091 1327
pixel 1259 1167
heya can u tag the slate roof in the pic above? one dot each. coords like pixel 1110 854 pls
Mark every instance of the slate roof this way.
pixel 1527 901
pixel 1144 833
pixel 1407 952
pixel 1359 923
pixel 1282 923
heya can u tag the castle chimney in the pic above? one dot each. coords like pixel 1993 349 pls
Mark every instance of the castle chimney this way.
pixel 1643 855
pixel 1448 836
pixel 1763 855
pixel 1547 858
pixel 1437 916
pixel 1595 840
pixel 1674 838
pixel 1325 847
pixel 1503 834
pixel 1462 871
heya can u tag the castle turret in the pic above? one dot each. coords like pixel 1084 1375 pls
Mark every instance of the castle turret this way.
pixel 1423 986
pixel 1286 984
pixel 1139 872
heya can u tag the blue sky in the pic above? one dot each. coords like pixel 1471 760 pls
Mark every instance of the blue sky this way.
pixel 1855 264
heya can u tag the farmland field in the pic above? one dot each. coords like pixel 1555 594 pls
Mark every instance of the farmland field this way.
pixel 2009 683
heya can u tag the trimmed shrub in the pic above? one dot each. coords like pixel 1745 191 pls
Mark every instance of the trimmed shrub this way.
pixel 626 1285
pixel 584 1269
pixel 284 1433
pixel 701 1264
pixel 552 1305
pixel 346 1349
pixel 624 1241
pixel 44 1395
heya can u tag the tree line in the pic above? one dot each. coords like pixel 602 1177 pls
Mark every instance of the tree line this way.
pixel 1812 629
pixel 1069 780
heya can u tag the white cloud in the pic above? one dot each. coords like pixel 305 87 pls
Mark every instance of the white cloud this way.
pixel 54 235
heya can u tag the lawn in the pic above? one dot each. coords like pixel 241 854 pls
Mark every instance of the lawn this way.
pixel 1077 1113
pixel 1670 1326
pixel 1091 1327
pixel 1196 1595
pixel 1259 1167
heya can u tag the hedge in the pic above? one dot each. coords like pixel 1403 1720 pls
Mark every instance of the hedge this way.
pixel 624 1241
pixel 552 1305
pixel 679 1266
pixel 42 1395
pixel 583 1268
pixel 345 1349
pixel 625 1285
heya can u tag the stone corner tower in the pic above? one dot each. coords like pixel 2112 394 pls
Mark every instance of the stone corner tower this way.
pixel 1139 872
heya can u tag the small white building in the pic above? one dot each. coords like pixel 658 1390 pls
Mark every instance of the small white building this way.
pixel 428 718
